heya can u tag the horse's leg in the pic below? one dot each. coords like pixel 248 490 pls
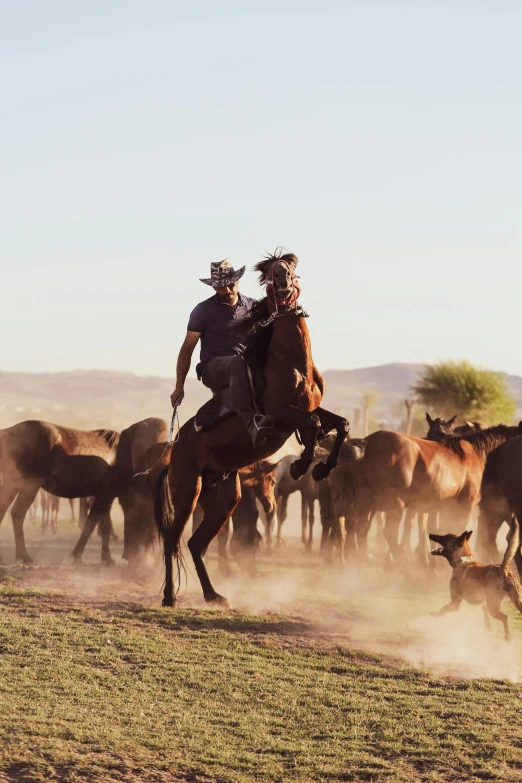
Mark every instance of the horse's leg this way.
pixel 326 508
pixel 363 525
pixel 304 519
pixel 311 520
pixel 290 419
pixel 330 421
pixel 394 512
pixel 8 492
pixel 44 499
pixel 264 492
pixel 83 512
pixel 423 550
pixel 197 518
pixel 106 531
pixel 100 509
pixel 54 515
pixel 245 538
pixel 350 544
pixel 218 505
pixel 282 513
pixel 488 527
pixel 71 503
pixel 407 530
pixel 20 508
pixel 223 537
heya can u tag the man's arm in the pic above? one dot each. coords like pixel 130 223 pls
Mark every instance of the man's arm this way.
pixel 183 366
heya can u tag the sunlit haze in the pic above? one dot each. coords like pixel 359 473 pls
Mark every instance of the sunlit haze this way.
pixel 378 141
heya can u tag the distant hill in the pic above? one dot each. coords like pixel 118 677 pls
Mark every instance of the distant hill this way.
pixel 96 398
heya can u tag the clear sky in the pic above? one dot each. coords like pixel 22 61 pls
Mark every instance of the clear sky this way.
pixel 142 139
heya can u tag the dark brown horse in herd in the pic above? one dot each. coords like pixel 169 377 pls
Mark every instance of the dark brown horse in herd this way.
pixel 73 463
pixel 204 465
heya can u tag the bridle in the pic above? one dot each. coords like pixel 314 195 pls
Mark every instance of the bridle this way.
pixel 283 305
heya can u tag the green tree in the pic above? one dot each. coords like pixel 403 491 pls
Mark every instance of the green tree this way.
pixel 458 387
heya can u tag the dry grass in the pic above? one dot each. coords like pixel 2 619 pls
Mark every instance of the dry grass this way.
pixel 96 688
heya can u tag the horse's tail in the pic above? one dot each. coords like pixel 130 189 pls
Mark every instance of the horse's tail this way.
pixel 164 518
pixel 512 547
pixel 163 508
pixel 353 450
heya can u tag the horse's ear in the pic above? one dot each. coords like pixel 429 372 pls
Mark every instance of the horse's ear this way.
pixel 470 423
pixel 467 534
pixel 430 420
pixel 520 426
pixel 452 420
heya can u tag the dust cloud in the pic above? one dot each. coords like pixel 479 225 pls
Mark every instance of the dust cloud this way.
pixel 372 606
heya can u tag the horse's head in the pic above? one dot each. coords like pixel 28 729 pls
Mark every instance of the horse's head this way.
pixel 438 428
pixel 277 272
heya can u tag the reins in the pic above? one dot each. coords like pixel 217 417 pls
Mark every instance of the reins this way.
pixel 298 311
pixel 171 439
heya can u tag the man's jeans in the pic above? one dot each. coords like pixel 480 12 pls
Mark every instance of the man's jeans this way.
pixel 228 374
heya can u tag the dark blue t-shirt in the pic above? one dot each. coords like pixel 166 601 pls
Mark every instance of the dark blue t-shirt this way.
pixel 215 321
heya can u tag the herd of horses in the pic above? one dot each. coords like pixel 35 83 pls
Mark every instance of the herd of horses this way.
pixel 388 476
pixel 215 474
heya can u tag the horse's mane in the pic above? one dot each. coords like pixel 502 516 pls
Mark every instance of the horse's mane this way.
pixel 483 441
pixel 279 254
pixel 258 341
pixel 110 437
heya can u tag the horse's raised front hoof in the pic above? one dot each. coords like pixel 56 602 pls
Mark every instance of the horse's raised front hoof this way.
pixel 298 468
pixel 217 600
pixel 320 471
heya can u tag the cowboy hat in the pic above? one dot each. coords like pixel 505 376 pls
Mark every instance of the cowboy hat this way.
pixel 222 273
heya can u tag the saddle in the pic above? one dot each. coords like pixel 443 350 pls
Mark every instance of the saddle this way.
pixel 213 412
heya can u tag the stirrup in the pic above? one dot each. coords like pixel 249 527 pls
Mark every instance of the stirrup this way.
pixel 269 423
pixel 259 431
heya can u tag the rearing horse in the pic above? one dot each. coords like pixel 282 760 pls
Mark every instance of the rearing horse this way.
pixel 204 465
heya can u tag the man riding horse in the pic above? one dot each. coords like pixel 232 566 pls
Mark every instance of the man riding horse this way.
pixel 204 463
pixel 217 323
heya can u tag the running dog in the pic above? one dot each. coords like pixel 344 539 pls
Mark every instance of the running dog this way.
pixel 479 584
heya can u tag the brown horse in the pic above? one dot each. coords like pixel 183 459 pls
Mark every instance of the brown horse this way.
pixel 68 463
pixel 438 430
pixel 134 444
pixel 65 462
pixel 501 497
pixel 392 472
pixel 204 465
